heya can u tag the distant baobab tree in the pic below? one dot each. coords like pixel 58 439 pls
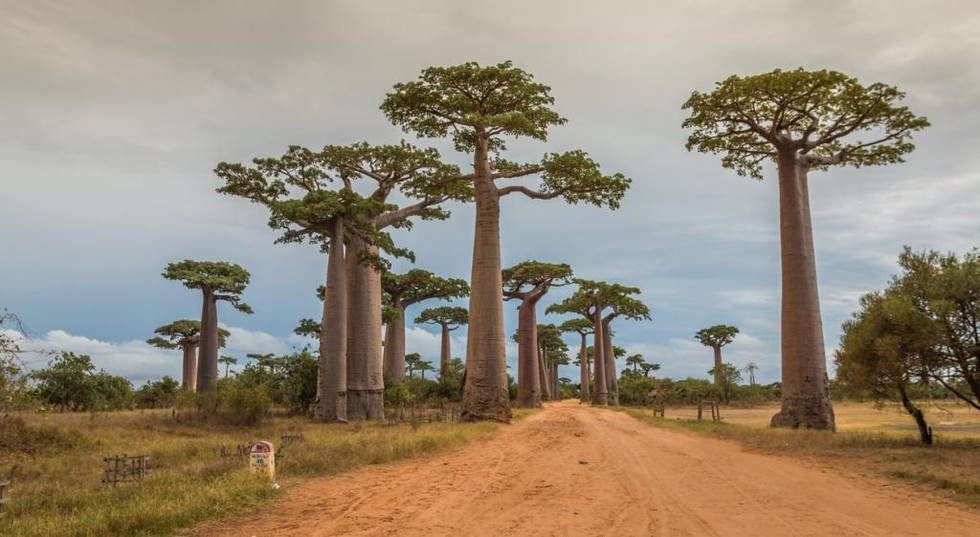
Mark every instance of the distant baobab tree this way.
pixel 716 337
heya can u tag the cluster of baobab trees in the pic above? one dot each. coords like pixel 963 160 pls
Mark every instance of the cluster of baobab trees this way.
pixel 345 199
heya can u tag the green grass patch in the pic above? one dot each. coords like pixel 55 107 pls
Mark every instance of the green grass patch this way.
pixel 57 472
pixel 952 466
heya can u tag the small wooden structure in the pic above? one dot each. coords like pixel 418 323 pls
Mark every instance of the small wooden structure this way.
pixel 291 437
pixel 657 398
pixel 713 405
pixel 3 495
pixel 240 451
pixel 124 468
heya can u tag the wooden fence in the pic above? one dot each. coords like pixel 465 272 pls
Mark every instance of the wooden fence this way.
pixel 124 468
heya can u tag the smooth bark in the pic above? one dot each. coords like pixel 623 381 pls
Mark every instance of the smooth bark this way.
pixel 718 376
pixel 485 393
pixel 554 383
pixel 544 385
pixel 806 395
pixel 601 388
pixel 445 354
pixel 583 357
pixel 365 360
pixel 331 398
pixel 528 364
pixel 207 360
pixel 189 373
pixel 609 358
pixel 394 349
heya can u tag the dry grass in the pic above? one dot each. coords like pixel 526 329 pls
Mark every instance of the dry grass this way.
pixel 879 441
pixel 57 486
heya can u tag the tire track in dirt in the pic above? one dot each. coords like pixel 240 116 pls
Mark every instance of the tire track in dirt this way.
pixel 575 470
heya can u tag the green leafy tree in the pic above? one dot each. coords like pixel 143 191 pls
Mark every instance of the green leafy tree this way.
pixel 402 291
pixel 802 121
pixel 218 281
pixel 582 327
pixel 528 282
pixel 946 290
pixel 716 337
pixel 478 106
pixel 649 368
pixel 727 377
pixel 299 191
pixel 883 348
pixel 591 300
pixel 70 382
pixel 228 361
pixel 185 335
pixel 413 362
pixel 552 352
pixel 14 391
pixel 448 318
pixel 157 393
pixel 635 361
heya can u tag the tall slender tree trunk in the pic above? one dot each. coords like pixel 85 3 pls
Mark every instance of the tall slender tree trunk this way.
pixel 925 432
pixel 806 395
pixel 544 385
pixel 554 382
pixel 718 376
pixel 485 394
pixel 583 356
pixel 601 388
pixel 445 355
pixel 207 361
pixel 528 376
pixel 189 373
pixel 331 388
pixel 609 358
pixel 394 349
pixel 365 360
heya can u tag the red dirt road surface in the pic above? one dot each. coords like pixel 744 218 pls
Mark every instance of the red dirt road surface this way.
pixel 576 470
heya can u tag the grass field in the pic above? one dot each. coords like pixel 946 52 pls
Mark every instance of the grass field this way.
pixel 56 467
pixel 879 441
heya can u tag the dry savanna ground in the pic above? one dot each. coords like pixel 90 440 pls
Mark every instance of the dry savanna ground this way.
pixel 576 470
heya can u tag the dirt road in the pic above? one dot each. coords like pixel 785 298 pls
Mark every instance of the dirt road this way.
pixel 575 470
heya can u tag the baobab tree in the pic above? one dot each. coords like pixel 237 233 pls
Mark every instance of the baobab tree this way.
pixel 582 327
pixel 298 190
pixel 648 367
pixel 228 361
pixel 634 361
pixel 751 369
pixel 552 352
pixel 478 106
pixel 185 335
pixel 716 337
pixel 402 291
pixel 448 318
pixel 528 282
pixel 620 305
pixel 802 121
pixel 218 281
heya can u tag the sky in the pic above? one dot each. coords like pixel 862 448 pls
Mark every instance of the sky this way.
pixel 113 115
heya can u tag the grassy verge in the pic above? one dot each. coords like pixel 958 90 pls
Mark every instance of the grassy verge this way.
pixel 56 465
pixel 952 466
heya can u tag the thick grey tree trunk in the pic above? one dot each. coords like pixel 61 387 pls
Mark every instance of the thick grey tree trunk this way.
pixel 609 356
pixel 718 378
pixel 583 357
pixel 189 373
pixel 365 360
pixel 544 384
pixel 394 349
pixel 485 394
pixel 207 362
pixel 806 395
pixel 331 396
pixel 601 388
pixel 445 355
pixel 528 376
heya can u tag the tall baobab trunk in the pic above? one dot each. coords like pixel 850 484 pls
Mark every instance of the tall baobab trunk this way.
pixel 544 385
pixel 445 353
pixel 554 383
pixel 394 349
pixel 609 357
pixel 331 388
pixel 601 388
pixel 583 357
pixel 365 361
pixel 485 395
pixel 718 376
pixel 806 395
pixel 207 360
pixel 189 378
pixel 528 376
